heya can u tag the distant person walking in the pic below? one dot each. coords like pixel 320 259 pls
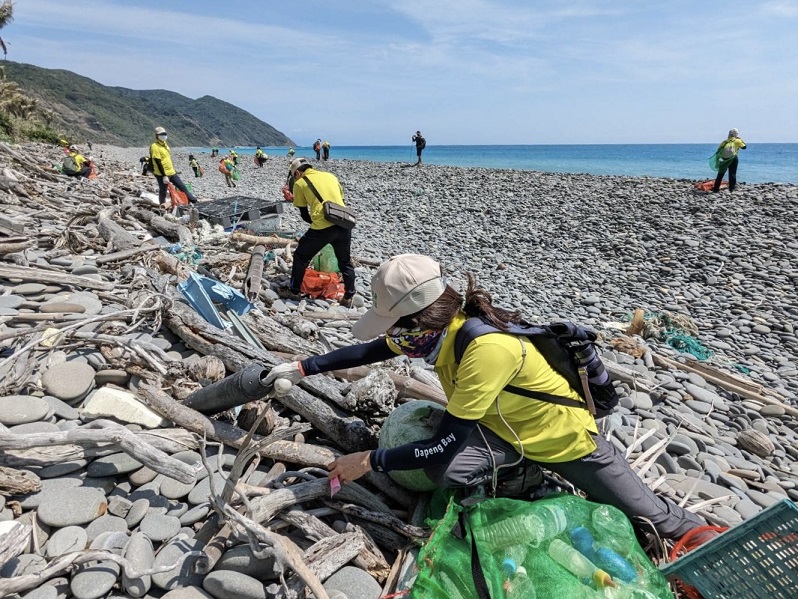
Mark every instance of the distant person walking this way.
pixel 260 157
pixel 192 162
pixel 321 231
pixel 317 148
pixel 421 143
pixel 163 169
pixel 226 167
pixel 88 143
pixel 234 157
pixel 214 152
pixel 725 158
pixel 290 152
pixel 325 150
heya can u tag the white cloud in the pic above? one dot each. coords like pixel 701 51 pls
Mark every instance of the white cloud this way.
pixel 783 8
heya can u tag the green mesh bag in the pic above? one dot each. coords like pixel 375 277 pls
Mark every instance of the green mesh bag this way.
pixel 561 546
pixel 325 260
pixel 717 162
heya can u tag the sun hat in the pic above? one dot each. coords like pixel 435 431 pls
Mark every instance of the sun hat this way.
pixel 296 163
pixel 733 133
pixel 160 131
pixel 73 147
pixel 402 285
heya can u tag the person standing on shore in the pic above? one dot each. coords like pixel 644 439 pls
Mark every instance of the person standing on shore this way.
pixel 421 143
pixel 290 152
pixel 321 231
pixel 163 169
pixel 725 158
pixel 260 157
pixel 192 162
pixel 491 435
pixel 234 157
pixel 317 148
pixel 325 150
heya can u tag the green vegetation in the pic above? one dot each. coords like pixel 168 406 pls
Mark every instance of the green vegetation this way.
pixel 67 104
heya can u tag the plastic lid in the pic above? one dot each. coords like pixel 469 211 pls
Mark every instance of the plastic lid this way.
pixel 602 579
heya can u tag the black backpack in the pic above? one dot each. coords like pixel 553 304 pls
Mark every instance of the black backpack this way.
pixel 422 143
pixel 70 165
pixel 568 348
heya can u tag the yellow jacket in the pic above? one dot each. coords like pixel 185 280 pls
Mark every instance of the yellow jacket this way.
pixel 161 159
pixel 329 189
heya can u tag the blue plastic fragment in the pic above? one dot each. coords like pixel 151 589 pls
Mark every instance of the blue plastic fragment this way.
pixel 201 293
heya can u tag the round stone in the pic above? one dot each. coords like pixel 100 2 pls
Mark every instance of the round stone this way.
pixel 137 512
pixel 228 584
pixel 139 553
pixel 21 409
pixel 113 465
pixel 11 302
pixel 159 527
pixel 114 377
pixel 105 523
pixel 179 554
pixel 94 581
pixel 187 593
pixel 58 307
pixel 66 540
pixel 241 559
pixel 71 506
pixel 69 381
pixel 86 269
pixel 772 410
pixel 29 288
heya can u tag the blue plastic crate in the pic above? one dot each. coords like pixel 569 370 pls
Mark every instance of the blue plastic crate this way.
pixel 757 559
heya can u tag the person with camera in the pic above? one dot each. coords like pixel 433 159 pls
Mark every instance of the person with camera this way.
pixel 421 143
pixel 310 188
pixel 161 166
pixel 490 434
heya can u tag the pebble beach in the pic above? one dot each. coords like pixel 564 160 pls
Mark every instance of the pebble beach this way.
pixel 718 271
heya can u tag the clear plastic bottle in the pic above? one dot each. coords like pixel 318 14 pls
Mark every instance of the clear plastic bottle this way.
pixel 520 587
pixel 513 559
pixel 613 529
pixel 577 564
pixel 524 529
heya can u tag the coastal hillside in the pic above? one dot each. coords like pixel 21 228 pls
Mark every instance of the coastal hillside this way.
pixel 82 108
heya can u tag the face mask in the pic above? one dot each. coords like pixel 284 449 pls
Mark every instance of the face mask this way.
pixel 162 137
pixel 415 343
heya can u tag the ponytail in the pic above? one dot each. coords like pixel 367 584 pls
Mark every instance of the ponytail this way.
pixel 479 303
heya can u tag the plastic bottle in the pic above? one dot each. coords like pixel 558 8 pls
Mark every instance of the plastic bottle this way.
pixel 520 587
pixel 613 529
pixel 525 529
pixel 577 564
pixel 582 540
pixel 513 559
pixel 614 564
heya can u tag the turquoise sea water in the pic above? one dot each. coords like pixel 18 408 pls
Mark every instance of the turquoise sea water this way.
pixel 759 163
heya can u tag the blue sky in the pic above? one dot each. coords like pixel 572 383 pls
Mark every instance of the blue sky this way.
pixel 372 72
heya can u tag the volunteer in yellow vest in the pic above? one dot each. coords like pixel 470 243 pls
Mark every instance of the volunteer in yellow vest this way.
pixel 488 435
pixel 83 164
pixel 727 159
pixel 163 169
pixel 234 157
pixel 321 231
pixel 260 157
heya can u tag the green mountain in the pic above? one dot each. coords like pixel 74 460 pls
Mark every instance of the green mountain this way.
pixel 85 109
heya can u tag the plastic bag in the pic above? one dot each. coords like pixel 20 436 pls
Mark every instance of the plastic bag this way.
pixel 325 260
pixel 236 175
pixel 322 284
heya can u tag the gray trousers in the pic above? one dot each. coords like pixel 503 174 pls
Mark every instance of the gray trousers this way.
pixel 604 475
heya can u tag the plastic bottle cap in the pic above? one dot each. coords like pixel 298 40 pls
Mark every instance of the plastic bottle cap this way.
pixel 602 579
pixel 509 567
pixel 521 571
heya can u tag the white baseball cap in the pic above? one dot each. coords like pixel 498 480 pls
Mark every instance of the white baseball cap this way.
pixel 296 163
pixel 402 285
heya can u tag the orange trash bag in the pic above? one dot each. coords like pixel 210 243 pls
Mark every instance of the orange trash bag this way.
pixel 178 197
pixel 322 284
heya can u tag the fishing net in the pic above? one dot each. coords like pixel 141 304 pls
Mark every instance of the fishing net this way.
pixel 677 330
pixel 562 546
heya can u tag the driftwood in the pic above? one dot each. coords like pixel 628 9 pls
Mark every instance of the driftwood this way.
pixel 326 557
pixel 725 382
pixel 18 482
pixel 269 242
pixel 105 431
pixel 169 229
pixel 121 255
pixel 369 558
pixel 65 562
pixel 11 247
pixel 14 539
pixel 117 236
pixel 41 275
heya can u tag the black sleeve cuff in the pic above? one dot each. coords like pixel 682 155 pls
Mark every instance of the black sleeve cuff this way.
pixel 349 357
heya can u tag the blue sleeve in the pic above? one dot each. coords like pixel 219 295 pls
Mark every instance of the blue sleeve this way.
pixel 452 434
pixel 349 357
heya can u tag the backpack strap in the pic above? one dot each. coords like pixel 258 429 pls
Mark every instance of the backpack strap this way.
pixel 313 188
pixel 476 327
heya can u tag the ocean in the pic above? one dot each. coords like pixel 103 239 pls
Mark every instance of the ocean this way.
pixel 759 163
